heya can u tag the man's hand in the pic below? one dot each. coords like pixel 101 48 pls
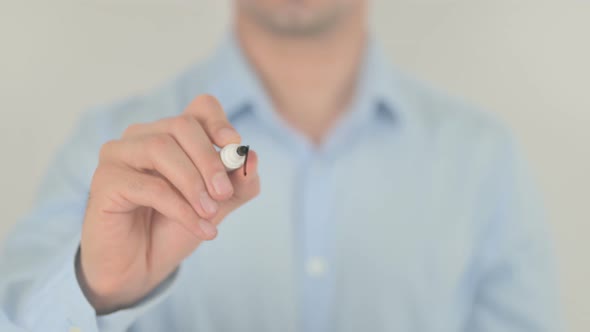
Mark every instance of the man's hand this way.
pixel 157 193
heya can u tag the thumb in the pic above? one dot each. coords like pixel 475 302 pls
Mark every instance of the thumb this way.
pixel 246 187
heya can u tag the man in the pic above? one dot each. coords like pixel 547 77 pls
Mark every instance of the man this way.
pixel 382 205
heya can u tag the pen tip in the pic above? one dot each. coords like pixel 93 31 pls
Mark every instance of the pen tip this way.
pixel 243 150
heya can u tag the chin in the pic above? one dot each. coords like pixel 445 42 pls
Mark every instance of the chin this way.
pixel 297 17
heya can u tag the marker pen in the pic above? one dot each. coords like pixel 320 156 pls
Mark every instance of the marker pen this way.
pixel 234 156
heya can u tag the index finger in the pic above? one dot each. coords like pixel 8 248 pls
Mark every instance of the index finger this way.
pixel 209 113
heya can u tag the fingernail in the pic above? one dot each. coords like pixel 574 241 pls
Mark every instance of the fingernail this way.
pixel 208 228
pixel 228 135
pixel 208 204
pixel 221 184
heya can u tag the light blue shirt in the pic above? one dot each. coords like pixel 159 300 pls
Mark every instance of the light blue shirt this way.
pixel 415 214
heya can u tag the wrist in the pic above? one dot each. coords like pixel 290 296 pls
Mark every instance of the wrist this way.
pixel 104 300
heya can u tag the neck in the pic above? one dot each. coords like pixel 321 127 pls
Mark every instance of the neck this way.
pixel 310 80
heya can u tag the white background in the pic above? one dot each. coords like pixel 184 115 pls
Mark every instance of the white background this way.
pixel 525 60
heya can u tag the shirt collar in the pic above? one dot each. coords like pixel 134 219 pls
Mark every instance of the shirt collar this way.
pixel 376 96
pixel 233 81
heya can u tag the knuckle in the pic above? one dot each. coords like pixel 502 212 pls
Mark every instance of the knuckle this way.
pixel 185 212
pixel 132 130
pixel 212 165
pixel 216 124
pixel 196 184
pixel 181 123
pixel 102 172
pixel 159 188
pixel 207 100
pixel 136 185
pixel 106 149
pixel 190 185
pixel 204 105
pixel 159 143
pixel 101 177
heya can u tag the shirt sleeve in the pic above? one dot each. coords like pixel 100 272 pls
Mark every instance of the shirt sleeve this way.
pixel 517 284
pixel 39 290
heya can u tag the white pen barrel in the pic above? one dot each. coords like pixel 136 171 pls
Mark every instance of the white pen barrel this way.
pixel 230 157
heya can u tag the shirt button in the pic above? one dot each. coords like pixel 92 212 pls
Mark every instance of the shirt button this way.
pixel 75 329
pixel 316 267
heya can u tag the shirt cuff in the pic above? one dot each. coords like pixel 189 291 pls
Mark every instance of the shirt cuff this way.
pixel 122 319
pixel 60 305
pixel 56 302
